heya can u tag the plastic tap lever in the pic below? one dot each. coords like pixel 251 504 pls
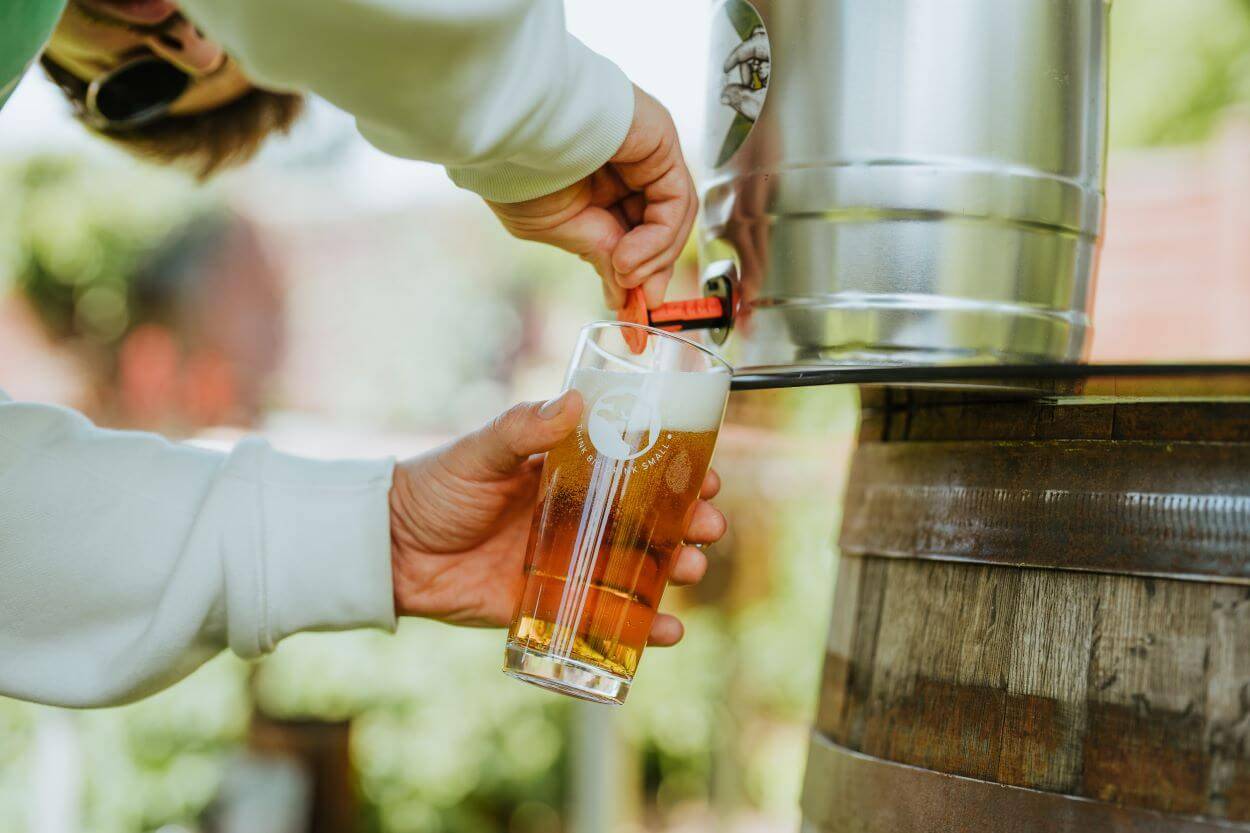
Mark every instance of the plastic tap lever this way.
pixel 693 314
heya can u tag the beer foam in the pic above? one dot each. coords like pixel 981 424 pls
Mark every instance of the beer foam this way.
pixel 686 401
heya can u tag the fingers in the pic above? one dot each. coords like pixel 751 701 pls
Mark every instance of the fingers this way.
pixel 592 235
pixel 613 293
pixel 745 100
pixel 650 162
pixel 711 485
pixel 629 220
pixel 633 207
pixel 707 524
pixel 754 48
pixel 607 188
pixel 505 445
pixel 666 630
pixel 573 220
pixel 689 567
pixel 656 286
pixel 654 245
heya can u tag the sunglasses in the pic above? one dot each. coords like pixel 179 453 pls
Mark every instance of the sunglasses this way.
pixel 134 94
pixel 127 97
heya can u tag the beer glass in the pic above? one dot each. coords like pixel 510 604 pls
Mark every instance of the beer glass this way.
pixel 615 500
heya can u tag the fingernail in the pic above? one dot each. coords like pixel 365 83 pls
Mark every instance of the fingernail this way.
pixel 552 408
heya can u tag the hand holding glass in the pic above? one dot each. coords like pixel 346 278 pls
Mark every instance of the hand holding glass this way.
pixel 616 498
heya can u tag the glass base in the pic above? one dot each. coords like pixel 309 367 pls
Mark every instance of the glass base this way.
pixel 563 675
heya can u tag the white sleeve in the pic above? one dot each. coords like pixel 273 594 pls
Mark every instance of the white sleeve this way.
pixel 496 90
pixel 126 561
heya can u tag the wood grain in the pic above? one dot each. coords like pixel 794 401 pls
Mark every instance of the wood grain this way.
pixel 1127 690
pixel 1088 681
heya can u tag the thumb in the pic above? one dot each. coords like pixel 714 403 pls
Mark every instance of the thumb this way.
pixel 593 235
pixel 530 428
pixel 733 94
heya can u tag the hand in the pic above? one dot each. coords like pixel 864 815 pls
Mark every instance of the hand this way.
pixel 629 219
pixel 751 61
pixel 460 520
pixel 744 100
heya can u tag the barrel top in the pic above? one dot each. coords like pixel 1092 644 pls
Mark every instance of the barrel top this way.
pixel 1131 474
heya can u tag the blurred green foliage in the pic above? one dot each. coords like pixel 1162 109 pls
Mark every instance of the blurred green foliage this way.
pixel 16 730
pixel 143 765
pixel 1176 68
pixel 442 741
pixel 74 234
pixel 160 760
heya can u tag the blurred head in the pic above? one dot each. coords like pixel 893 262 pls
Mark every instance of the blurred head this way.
pixel 143 76
pixel 206 329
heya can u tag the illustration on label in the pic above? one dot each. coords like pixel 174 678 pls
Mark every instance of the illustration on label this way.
pixel 622 425
pixel 741 66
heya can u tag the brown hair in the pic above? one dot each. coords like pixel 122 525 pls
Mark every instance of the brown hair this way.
pixel 204 142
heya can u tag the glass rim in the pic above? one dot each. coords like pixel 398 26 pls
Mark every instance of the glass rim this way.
pixel 601 325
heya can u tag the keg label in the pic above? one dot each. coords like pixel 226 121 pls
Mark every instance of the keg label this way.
pixel 741 65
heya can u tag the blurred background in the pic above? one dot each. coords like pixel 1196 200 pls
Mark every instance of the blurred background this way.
pixel 347 304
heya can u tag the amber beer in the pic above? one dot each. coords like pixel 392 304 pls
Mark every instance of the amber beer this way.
pixel 615 502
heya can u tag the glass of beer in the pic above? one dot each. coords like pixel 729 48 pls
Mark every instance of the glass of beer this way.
pixel 615 500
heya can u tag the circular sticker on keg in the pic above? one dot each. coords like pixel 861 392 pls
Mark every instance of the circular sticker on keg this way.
pixel 738 76
pixel 623 425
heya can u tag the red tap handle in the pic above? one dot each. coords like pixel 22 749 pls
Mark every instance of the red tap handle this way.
pixel 688 315
pixel 634 312
pixel 694 314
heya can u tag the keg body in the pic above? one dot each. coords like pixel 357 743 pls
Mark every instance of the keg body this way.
pixel 921 181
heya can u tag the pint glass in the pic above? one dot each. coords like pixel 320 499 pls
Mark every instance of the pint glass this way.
pixel 615 500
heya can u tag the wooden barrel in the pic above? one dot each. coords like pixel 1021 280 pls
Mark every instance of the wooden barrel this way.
pixel 1042 618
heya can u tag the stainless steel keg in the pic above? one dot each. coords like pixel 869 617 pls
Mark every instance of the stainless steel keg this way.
pixel 905 181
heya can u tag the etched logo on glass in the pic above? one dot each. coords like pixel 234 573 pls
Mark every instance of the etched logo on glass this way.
pixel 622 425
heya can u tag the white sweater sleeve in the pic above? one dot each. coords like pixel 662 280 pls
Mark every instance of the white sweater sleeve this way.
pixel 496 90
pixel 126 560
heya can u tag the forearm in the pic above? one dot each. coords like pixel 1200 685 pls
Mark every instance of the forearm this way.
pixel 126 561
pixel 496 90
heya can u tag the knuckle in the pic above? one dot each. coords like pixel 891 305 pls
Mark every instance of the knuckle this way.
pixel 506 423
pixel 508 426
pixel 668 140
pixel 527 233
pixel 603 249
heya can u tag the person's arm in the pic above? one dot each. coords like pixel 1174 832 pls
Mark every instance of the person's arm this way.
pixel 496 90
pixel 566 151
pixel 126 561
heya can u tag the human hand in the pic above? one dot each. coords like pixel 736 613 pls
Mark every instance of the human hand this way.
pixel 743 99
pixel 461 514
pixel 746 75
pixel 629 219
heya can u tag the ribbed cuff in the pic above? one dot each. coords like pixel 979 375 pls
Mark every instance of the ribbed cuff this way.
pixel 320 549
pixel 602 97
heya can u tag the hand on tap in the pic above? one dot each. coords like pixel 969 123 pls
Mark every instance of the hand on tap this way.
pixel 629 219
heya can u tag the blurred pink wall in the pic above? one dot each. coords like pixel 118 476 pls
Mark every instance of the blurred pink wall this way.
pixel 1175 278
